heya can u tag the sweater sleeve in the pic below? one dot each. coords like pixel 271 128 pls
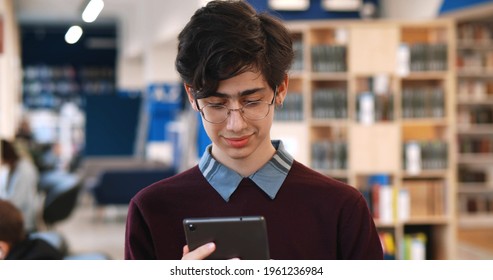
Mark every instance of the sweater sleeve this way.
pixel 138 239
pixel 359 237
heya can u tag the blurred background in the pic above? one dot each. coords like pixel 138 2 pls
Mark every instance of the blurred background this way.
pixel 394 97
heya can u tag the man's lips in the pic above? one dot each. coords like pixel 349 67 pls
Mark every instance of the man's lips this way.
pixel 237 142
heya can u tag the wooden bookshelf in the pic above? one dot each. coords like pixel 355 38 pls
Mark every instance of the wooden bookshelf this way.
pixel 370 55
pixel 475 119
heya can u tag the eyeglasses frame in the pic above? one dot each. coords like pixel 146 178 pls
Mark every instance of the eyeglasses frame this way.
pixel 240 110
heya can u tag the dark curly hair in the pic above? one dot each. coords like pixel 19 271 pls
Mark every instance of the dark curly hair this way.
pixel 8 152
pixel 11 223
pixel 226 38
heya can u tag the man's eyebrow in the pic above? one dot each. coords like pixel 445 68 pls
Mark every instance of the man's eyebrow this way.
pixel 241 93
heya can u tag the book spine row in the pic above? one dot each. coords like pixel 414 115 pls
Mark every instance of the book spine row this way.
pixel 292 109
pixel 475 62
pixel 329 155
pixel 476 204
pixel 424 198
pixel 427 155
pixel 476 115
pixel 329 58
pixel 329 103
pixel 387 240
pixel 482 145
pixel 415 199
pixel 298 56
pixel 414 246
pixel 423 102
pixel 475 89
pixel 477 32
pixel 372 107
pixel 428 57
pixel 380 197
pixel 50 86
pixel 467 175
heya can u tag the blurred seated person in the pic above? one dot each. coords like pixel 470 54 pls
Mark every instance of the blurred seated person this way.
pixel 20 185
pixel 24 140
pixel 24 131
pixel 15 244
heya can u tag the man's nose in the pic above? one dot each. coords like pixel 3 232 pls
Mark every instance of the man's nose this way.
pixel 236 121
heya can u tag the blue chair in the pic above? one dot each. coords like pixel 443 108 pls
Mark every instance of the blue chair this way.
pixel 117 187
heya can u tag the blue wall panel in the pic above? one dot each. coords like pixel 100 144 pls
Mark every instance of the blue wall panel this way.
pixel 111 125
pixel 164 103
pixel 455 5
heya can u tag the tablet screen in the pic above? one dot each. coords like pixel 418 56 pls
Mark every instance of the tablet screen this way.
pixel 235 237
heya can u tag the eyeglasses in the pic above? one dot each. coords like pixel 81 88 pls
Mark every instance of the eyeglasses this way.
pixel 255 110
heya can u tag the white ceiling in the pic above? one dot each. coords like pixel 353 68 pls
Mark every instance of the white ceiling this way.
pixel 61 11
pixel 141 23
pixel 145 23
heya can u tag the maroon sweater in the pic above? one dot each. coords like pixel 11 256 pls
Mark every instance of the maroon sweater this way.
pixel 312 216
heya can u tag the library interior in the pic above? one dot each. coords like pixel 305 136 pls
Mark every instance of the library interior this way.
pixel 392 97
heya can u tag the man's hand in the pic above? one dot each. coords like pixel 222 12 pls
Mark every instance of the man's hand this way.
pixel 200 253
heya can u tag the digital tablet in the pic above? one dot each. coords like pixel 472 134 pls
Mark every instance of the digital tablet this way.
pixel 235 237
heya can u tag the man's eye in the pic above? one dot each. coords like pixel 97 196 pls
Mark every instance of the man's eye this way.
pixel 253 104
pixel 216 106
pixel 218 103
pixel 252 101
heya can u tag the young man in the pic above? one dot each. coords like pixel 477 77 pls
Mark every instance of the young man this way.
pixel 234 64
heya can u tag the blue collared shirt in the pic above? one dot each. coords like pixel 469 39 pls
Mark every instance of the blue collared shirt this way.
pixel 269 178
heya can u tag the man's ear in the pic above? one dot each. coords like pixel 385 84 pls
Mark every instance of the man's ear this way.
pixel 190 96
pixel 282 90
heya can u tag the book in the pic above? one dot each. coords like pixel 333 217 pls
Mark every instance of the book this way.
pixel 414 246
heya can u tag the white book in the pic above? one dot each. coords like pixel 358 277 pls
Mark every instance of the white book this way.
pixel 403 60
pixel 413 158
pixel 367 108
pixel 404 205
pixel 386 204
pixel 418 249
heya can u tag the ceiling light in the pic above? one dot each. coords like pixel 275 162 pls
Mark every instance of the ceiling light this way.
pixel 73 34
pixel 92 10
pixel 341 5
pixel 289 5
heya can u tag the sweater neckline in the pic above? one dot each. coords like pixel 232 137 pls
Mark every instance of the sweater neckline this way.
pixel 269 178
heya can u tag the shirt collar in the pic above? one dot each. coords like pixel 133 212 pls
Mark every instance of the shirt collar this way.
pixel 268 178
